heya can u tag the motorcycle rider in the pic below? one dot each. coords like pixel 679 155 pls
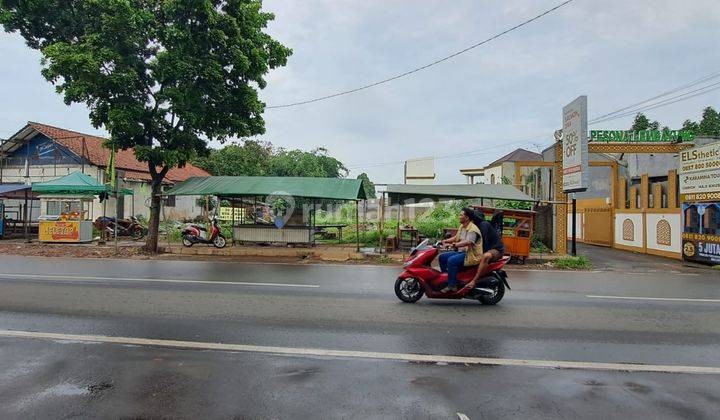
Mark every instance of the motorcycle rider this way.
pixel 466 237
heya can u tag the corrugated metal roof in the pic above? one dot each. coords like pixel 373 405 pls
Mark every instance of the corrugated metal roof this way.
pixel 248 186
pixel 404 193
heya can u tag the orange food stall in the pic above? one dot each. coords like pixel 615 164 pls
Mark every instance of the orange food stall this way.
pixel 518 227
pixel 67 227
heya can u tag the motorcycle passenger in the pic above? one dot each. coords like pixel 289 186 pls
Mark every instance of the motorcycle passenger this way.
pixel 463 243
pixel 492 247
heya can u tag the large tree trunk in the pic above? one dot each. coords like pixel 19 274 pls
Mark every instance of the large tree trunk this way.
pixel 151 243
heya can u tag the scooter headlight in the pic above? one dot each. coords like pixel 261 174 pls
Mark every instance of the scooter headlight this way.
pixel 409 262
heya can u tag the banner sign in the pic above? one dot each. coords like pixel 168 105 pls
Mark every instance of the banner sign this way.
pixel 701 248
pixel 226 213
pixel 59 231
pixel 700 173
pixel 575 145
pixel 643 136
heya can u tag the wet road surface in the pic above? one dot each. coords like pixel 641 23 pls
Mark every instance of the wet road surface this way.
pixel 548 316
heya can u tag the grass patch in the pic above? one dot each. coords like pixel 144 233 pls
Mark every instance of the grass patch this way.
pixel 384 259
pixel 573 263
pixel 716 267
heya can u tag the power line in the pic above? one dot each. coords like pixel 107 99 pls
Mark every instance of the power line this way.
pixel 467 153
pixel 678 98
pixel 670 92
pixel 415 70
pixel 606 117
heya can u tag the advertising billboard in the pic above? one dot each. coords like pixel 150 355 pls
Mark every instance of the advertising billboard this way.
pixel 699 174
pixel 575 145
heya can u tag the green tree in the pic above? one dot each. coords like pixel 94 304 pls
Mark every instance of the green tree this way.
pixel 710 123
pixel 315 163
pixel 642 122
pixel 161 76
pixel 690 126
pixel 249 159
pixel 368 186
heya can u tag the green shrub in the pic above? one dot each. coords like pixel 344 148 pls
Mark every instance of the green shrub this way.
pixel 573 263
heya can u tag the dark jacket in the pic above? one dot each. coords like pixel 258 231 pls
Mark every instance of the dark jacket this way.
pixel 490 237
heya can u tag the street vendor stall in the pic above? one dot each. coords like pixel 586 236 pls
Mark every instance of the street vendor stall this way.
pixel 66 218
pixel 273 209
pixel 517 229
pixel 516 237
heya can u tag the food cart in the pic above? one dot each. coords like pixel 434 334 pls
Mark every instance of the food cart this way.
pixel 518 227
pixel 65 218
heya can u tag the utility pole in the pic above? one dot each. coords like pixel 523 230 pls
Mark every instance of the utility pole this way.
pixel 573 248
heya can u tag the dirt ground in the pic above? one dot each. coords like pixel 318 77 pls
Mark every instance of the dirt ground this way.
pixel 133 250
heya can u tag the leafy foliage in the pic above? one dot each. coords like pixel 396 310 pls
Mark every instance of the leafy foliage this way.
pixel 161 76
pixel 512 204
pixel 255 158
pixel 642 122
pixel 709 124
pixel 368 186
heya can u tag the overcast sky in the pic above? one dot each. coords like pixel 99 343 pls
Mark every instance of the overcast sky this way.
pixel 506 94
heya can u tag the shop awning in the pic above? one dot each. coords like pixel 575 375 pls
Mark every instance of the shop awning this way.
pixel 406 194
pixel 76 183
pixel 248 186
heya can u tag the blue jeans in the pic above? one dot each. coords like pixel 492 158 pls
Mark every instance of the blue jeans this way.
pixel 452 262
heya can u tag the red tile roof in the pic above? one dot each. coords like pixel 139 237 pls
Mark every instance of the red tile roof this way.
pixel 91 148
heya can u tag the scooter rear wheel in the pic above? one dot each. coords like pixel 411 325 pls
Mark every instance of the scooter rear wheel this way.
pixel 187 242
pixel 499 292
pixel 408 290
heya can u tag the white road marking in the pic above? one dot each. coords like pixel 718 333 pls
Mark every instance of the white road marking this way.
pixel 462 416
pixel 408 357
pixel 653 298
pixel 122 279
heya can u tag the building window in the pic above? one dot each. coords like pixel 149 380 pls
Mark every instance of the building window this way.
pixel 663 233
pixel 492 178
pixel 628 230
pixel 168 201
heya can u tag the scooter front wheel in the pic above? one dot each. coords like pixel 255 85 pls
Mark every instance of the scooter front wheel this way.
pixel 409 290
pixel 219 241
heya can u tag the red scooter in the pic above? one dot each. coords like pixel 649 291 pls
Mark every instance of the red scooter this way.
pixel 194 234
pixel 421 278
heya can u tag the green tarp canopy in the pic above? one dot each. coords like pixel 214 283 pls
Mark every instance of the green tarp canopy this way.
pixel 407 194
pixel 76 183
pixel 248 186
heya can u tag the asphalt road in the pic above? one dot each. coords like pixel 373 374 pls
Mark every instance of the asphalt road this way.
pixel 167 339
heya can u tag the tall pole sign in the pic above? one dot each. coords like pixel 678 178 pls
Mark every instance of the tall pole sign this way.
pixel 575 146
pixel 575 155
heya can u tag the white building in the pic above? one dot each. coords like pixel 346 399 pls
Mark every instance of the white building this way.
pixel 501 168
pixel 420 171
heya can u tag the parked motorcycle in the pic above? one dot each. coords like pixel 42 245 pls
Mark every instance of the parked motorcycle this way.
pixel 420 278
pixel 125 227
pixel 193 234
